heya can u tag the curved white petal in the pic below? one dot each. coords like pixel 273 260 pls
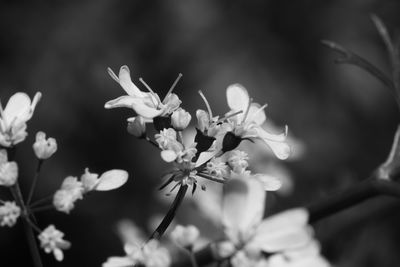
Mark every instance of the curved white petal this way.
pixel 125 101
pixel 119 262
pixel 242 207
pixel 286 230
pixel 126 82
pixel 168 155
pixel 145 110
pixel 276 142
pixel 238 98
pixel 269 182
pixel 205 156
pixel 17 109
pixel 256 114
pixel 111 179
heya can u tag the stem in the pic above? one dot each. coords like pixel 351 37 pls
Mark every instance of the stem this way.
pixel 41 201
pixel 34 182
pixel 152 142
pixel 43 208
pixel 157 234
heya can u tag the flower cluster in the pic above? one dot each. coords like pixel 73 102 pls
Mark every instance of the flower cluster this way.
pixel 9 213
pixel 8 170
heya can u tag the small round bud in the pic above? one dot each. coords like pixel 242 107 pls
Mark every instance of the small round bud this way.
pixel 8 173
pixel 180 119
pixel 43 148
pixel 185 236
pixel 137 127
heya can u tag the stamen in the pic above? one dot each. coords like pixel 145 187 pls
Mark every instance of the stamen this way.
pixel 151 92
pixel 207 105
pixel 112 74
pixel 1 111
pixel 230 116
pixel 247 110
pixel 259 110
pixel 173 85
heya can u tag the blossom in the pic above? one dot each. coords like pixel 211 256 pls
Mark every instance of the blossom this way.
pixel 238 160
pixel 242 211
pixel 247 125
pixel 8 170
pixel 43 148
pixel 150 254
pixel 13 118
pixel 109 180
pixel 9 213
pixel 51 240
pixel 217 167
pixel 185 236
pixel 71 190
pixel 180 119
pixel 137 126
pixel 172 149
pixel 145 104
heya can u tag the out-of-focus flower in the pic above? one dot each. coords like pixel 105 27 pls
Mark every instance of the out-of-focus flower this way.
pixel 51 240
pixel 172 149
pixel 9 213
pixel 71 190
pixel 238 160
pixel 242 211
pixel 146 104
pixel 137 127
pixel 8 170
pixel 180 119
pixel 109 180
pixel 43 148
pixel 185 236
pixel 217 167
pixel 247 125
pixel 13 118
pixel 150 255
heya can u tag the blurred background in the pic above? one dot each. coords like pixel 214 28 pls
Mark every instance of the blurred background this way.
pixel 341 118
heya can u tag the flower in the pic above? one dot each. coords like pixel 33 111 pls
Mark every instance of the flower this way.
pixel 13 118
pixel 238 160
pixel 242 211
pixel 8 170
pixel 180 119
pixel 185 236
pixel 247 125
pixel 51 240
pixel 149 255
pixel 9 213
pixel 137 127
pixel 43 148
pixel 217 167
pixel 172 149
pixel 145 104
pixel 71 190
pixel 109 180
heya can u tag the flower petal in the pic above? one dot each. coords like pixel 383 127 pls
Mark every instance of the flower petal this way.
pixel 17 108
pixel 125 101
pixel 145 110
pixel 168 155
pixel 256 114
pixel 237 97
pixel 119 262
pixel 283 231
pixel 242 207
pixel 205 156
pixel 276 142
pixel 126 82
pixel 111 180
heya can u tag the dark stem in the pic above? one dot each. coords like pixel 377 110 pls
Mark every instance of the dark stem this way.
pixel 157 234
pixel 34 182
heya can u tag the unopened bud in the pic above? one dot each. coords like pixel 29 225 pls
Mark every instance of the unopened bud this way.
pixel 180 119
pixel 43 148
pixel 137 127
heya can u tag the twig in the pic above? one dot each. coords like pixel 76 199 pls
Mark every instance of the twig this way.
pixel 34 182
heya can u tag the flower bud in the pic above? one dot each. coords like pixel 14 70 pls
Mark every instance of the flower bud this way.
pixel 185 236
pixel 203 120
pixel 137 127
pixel 8 170
pixel 9 213
pixel 89 180
pixel 43 148
pixel 180 119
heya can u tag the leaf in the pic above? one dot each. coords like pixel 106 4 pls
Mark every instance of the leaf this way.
pixel 112 179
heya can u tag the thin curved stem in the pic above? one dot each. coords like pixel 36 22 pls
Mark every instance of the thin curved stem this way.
pixel 34 181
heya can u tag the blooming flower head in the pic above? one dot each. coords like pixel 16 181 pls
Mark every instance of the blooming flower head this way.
pixel 43 148
pixel 242 210
pixel 8 170
pixel 172 149
pixel 247 125
pixel 109 180
pixel 150 254
pixel 185 236
pixel 71 190
pixel 9 213
pixel 51 240
pixel 14 116
pixel 146 104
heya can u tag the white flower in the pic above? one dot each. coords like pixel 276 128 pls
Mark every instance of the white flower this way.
pixel 217 167
pixel 9 213
pixel 242 212
pixel 180 119
pixel 146 104
pixel 109 180
pixel 71 190
pixel 51 240
pixel 8 170
pixel 172 149
pixel 185 236
pixel 248 123
pixel 14 116
pixel 137 126
pixel 238 160
pixel 150 255
pixel 43 148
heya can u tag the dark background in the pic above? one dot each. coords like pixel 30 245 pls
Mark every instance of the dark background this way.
pixel 344 117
